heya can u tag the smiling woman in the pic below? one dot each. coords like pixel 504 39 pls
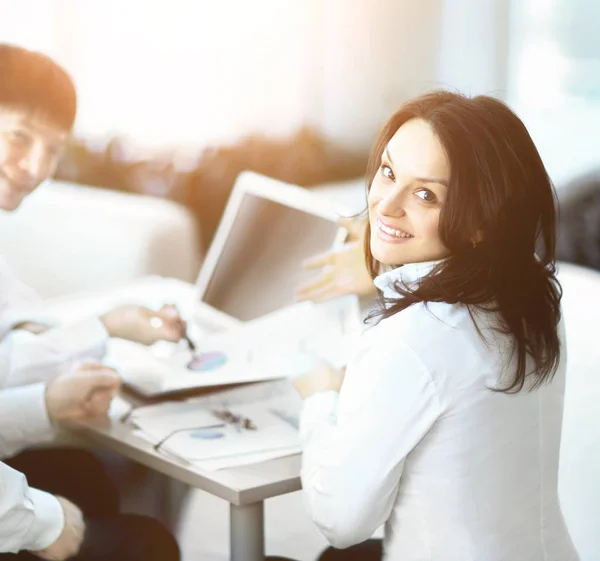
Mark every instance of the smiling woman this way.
pixel 446 424
pixel 459 182
pixel 406 196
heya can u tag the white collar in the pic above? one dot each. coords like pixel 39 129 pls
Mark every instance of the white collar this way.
pixel 408 274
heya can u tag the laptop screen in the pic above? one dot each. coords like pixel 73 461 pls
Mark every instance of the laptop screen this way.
pixel 260 264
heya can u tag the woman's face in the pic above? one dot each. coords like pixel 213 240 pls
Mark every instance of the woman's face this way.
pixel 406 196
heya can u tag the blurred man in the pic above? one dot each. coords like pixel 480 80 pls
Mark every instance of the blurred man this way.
pixel 78 515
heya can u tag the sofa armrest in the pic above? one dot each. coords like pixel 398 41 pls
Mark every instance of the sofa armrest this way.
pixel 67 238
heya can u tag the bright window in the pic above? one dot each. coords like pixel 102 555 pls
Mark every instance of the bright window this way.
pixel 554 80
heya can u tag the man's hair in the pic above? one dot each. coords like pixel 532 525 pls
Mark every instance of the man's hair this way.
pixel 33 82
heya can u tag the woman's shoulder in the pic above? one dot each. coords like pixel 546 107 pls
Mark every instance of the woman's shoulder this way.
pixel 427 319
pixel 440 334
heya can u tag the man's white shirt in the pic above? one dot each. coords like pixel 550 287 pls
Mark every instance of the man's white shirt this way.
pixel 31 519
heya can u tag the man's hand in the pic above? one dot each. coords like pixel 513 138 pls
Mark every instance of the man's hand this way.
pixel 32 326
pixel 143 325
pixel 69 542
pixel 83 393
pixel 322 378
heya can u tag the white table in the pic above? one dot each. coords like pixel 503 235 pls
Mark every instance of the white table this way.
pixel 245 488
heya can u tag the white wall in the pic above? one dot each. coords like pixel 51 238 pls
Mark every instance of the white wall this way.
pixel 192 73
pixel 473 55
pixel 376 53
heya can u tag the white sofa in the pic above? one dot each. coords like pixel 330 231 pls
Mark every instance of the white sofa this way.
pixel 67 238
pixel 579 483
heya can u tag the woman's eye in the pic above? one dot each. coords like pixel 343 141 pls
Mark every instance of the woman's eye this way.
pixel 426 195
pixel 387 171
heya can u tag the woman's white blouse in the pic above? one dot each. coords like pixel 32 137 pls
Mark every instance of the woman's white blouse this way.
pixel 416 440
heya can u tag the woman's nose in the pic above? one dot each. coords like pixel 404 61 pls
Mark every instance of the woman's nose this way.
pixel 392 205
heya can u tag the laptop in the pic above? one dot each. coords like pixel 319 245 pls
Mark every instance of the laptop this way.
pixel 253 265
pixel 246 290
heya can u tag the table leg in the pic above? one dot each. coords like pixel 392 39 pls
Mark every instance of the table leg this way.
pixel 173 497
pixel 247 532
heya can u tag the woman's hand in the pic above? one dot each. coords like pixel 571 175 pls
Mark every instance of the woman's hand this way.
pixel 322 378
pixel 143 325
pixel 343 270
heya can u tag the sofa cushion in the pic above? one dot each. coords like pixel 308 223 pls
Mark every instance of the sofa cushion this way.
pixel 66 238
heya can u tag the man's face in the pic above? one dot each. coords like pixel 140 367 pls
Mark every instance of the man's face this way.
pixel 30 147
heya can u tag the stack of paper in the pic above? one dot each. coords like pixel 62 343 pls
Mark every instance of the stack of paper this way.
pixel 193 431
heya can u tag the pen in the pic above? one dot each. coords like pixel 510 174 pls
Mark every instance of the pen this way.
pixel 189 342
pixel 186 336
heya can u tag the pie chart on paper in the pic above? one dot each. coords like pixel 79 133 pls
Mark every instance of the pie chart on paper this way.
pixel 206 362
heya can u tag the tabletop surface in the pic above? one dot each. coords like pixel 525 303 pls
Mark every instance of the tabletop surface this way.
pixel 240 486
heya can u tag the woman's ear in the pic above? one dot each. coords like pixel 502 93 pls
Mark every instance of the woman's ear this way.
pixel 478 238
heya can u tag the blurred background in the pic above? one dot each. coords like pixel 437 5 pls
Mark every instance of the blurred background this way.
pixel 176 97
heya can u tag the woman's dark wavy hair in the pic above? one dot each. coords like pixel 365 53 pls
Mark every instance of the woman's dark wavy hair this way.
pixel 33 82
pixel 499 193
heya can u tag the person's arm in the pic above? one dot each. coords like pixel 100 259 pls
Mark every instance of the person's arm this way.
pixel 34 358
pixel 24 419
pixel 30 519
pixel 355 445
pixel 342 271
pixel 29 413
pixel 27 357
pixel 31 358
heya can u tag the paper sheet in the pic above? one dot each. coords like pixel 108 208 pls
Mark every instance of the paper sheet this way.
pixel 238 460
pixel 196 434
pixel 119 407
pixel 286 343
pixel 247 459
